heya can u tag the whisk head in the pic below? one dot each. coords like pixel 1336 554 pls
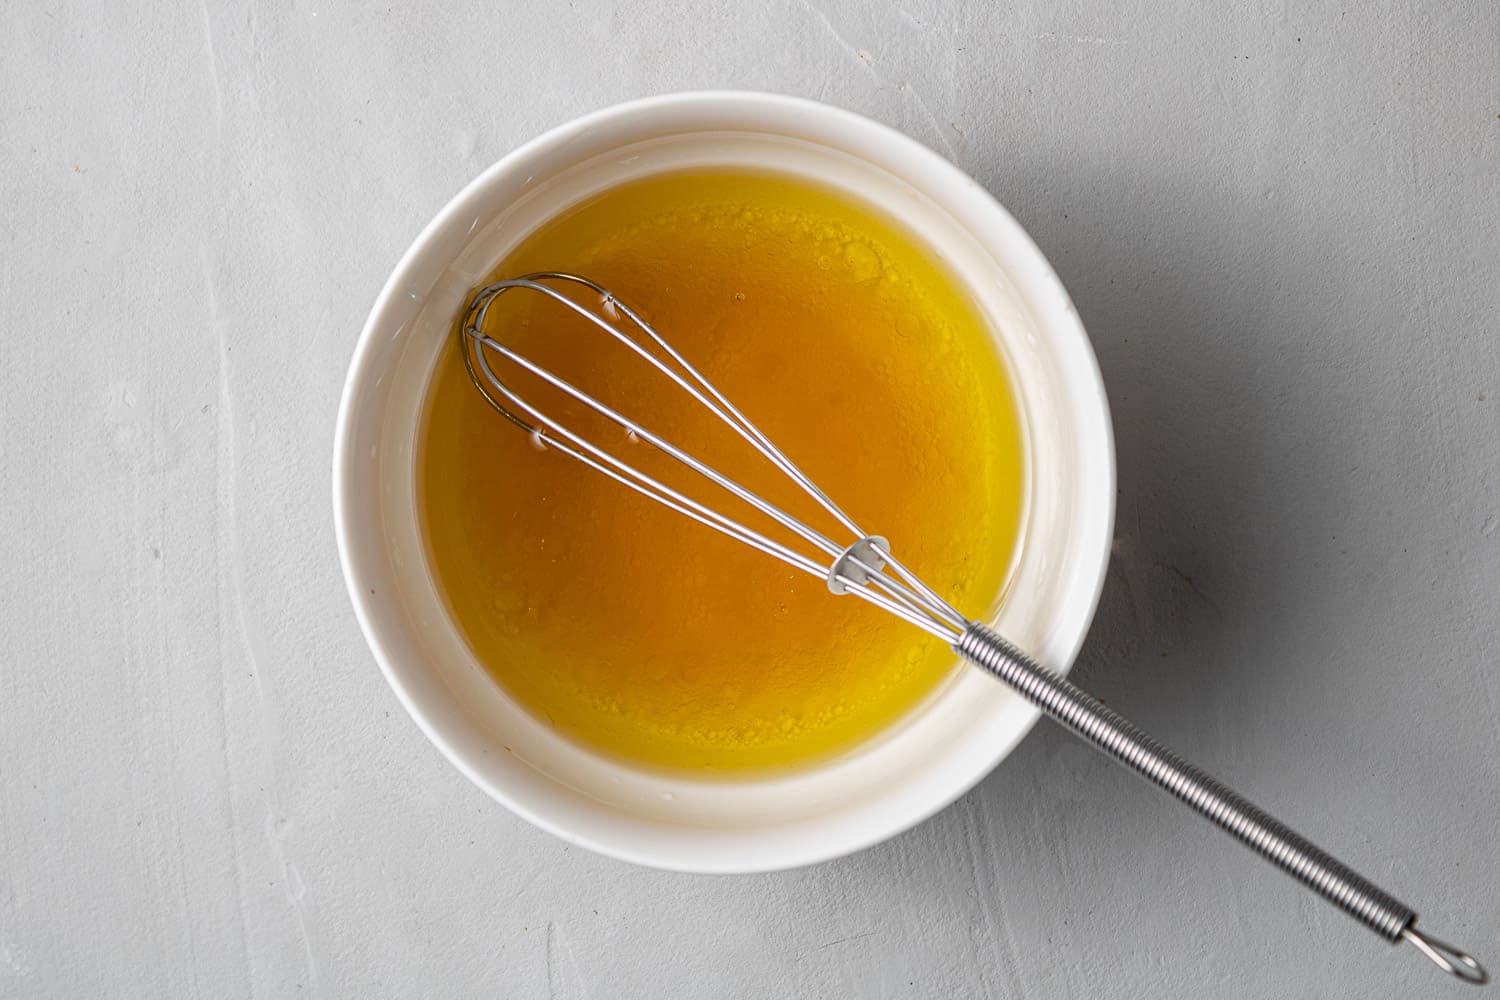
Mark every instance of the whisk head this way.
pixel 850 560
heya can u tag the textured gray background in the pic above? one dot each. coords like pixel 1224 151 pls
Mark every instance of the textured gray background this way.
pixel 1279 223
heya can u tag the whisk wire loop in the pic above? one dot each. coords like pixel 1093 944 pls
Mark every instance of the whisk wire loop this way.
pixel 858 572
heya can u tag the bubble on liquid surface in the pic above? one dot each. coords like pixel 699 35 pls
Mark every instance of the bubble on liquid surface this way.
pixel 863 263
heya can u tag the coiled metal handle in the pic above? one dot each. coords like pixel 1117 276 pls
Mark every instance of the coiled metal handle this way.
pixel 1101 726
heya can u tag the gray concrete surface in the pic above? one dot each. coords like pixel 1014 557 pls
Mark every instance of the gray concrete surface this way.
pixel 1279 222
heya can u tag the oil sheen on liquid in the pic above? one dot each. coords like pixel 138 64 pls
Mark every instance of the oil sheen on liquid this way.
pixel 647 637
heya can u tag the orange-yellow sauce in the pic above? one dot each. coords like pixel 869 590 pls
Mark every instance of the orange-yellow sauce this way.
pixel 648 637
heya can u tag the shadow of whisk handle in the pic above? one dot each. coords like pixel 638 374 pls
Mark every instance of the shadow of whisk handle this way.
pixel 1088 718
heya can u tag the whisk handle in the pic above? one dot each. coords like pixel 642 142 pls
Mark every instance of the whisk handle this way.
pixel 1099 725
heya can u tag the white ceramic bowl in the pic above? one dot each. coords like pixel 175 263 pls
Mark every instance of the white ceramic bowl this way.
pixel 743 825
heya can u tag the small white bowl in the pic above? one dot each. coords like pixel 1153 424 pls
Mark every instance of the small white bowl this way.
pixel 900 778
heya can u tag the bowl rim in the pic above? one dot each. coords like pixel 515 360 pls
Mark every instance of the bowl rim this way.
pixel 1039 286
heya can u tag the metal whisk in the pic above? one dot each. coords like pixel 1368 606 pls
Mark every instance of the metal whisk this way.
pixel 862 564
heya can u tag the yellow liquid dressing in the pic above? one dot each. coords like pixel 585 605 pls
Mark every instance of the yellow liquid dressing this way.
pixel 645 636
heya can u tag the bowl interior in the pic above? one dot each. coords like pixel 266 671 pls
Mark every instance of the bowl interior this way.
pixel 743 824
